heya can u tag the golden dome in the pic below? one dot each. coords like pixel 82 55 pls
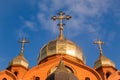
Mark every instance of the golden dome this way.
pixel 19 60
pixel 103 61
pixel 61 45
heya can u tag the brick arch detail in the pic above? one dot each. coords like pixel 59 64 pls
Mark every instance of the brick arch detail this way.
pixel 114 76
pixel 7 74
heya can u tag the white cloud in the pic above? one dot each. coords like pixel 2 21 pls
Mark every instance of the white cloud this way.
pixel 31 25
pixel 27 25
pixel 84 13
pixel 116 11
pixel 21 33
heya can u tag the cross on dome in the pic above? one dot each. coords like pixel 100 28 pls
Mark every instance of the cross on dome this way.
pixel 99 42
pixel 23 41
pixel 61 16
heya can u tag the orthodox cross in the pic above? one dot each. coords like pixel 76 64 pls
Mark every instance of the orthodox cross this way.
pixel 23 41
pixel 61 16
pixel 99 42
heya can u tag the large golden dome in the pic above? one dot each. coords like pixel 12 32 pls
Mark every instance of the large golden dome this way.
pixel 61 45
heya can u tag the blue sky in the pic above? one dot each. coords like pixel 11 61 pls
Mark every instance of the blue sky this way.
pixel 91 19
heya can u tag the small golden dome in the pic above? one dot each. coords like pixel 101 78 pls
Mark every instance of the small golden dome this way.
pixel 103 61
pixel 19 60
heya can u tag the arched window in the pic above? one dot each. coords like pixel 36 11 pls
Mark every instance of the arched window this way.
pixel 16 73
pixel 87 78
pixel 4 79
pixel 69 69
pixel 108 74
pixel 37 78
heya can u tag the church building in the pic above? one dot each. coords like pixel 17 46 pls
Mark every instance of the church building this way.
pixel 60 59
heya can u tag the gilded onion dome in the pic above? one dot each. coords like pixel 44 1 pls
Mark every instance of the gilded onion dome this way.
pixel 102 60
pixel 61 45
pixel 20 59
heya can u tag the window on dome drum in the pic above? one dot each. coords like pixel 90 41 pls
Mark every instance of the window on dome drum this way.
pixel 4 79
pixel 108 74
pixel 16 73
pixel 37 78
pixel 87 78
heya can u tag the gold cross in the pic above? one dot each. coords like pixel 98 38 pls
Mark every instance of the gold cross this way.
pixel 23 41
pixel 99 42
pixel 61 16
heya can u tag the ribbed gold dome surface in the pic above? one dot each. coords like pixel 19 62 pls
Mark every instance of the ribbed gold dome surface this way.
pixel 61 46
pixel 19 60
pixel 103 61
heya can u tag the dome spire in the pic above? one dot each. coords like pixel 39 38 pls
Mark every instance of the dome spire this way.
pixel 23 41
pixel 20 59
pixel 99 42
pixel 61 45
pixel 102 60
pixel 61 16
